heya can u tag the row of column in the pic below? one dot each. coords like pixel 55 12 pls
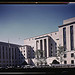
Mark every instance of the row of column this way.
pixel 43 44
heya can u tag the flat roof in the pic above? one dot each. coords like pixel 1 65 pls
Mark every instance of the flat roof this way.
pixel 9 43
pixel 66 24
pixel 41 35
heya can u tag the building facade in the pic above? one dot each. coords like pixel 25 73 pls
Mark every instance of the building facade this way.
pixel 49 43
pixel 10 55
pixel 67 39
pixel 14 55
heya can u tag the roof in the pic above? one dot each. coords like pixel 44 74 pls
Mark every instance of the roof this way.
pixel 41 35
pixel 5 43
pixel 66 24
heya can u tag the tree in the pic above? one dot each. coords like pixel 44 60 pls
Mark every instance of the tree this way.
pixel 60 53
pixel 39 55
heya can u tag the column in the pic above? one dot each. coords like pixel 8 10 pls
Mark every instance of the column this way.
pixel 47 47
pixel 43 48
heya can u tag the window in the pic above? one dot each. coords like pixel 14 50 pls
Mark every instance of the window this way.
pixel 64 38
pixel 40 44
pixel 3 53
pixel 12 53
pixel 3 61
pixel 19 51
pixel 15 53
pixel 9 61
pixel 45 47
pixel 9 53
pixel 0 52
pixel 65 55
pixel 71 37
pixel 55 44
pixel 72 54
pixel 37 44
pixel 51 51
pixel 72 61
pixel 65 62
pixel 51 44
pixel 51 54
pixel 51 48
pixel 19 54
pixel 6 53
pixel 21 57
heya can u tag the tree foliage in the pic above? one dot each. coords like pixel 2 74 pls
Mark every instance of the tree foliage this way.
pixel 60 53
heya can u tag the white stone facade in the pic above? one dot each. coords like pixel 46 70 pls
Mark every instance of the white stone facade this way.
pixel 52 40
pixel 67 24
pixel 14 55
pixel 50 43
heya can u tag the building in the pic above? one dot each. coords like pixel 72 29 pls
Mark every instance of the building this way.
pixel 50 42
pixel 10 55
pixel 67 39
pixel 14 55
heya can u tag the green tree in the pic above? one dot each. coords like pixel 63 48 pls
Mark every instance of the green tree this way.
pixel 40 56
pixel 60 54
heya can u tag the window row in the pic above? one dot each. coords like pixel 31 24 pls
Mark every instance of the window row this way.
pixel 72 55
pixel 71 37
pixel 72 62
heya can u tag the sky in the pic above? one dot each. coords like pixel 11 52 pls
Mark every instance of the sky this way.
pixel 21 21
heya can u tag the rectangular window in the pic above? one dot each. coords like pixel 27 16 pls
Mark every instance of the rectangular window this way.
pixel 72 54
pixel 45 47
pixel 65 62
pixel 6 53
pixel 15 53
pixel 72 61
pixel 40 44
pixel 64 38
pixel 71 37
pixel 3 53
pixel 0 52
pixel 51 44
pixel 9 53
pixel 12 53
pixel 65 55
pixel 41 47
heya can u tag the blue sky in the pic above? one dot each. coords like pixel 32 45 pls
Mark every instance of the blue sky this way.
pixel 20 21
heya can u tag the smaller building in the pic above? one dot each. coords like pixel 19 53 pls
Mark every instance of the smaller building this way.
pixel 28 54
pixel 9 54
